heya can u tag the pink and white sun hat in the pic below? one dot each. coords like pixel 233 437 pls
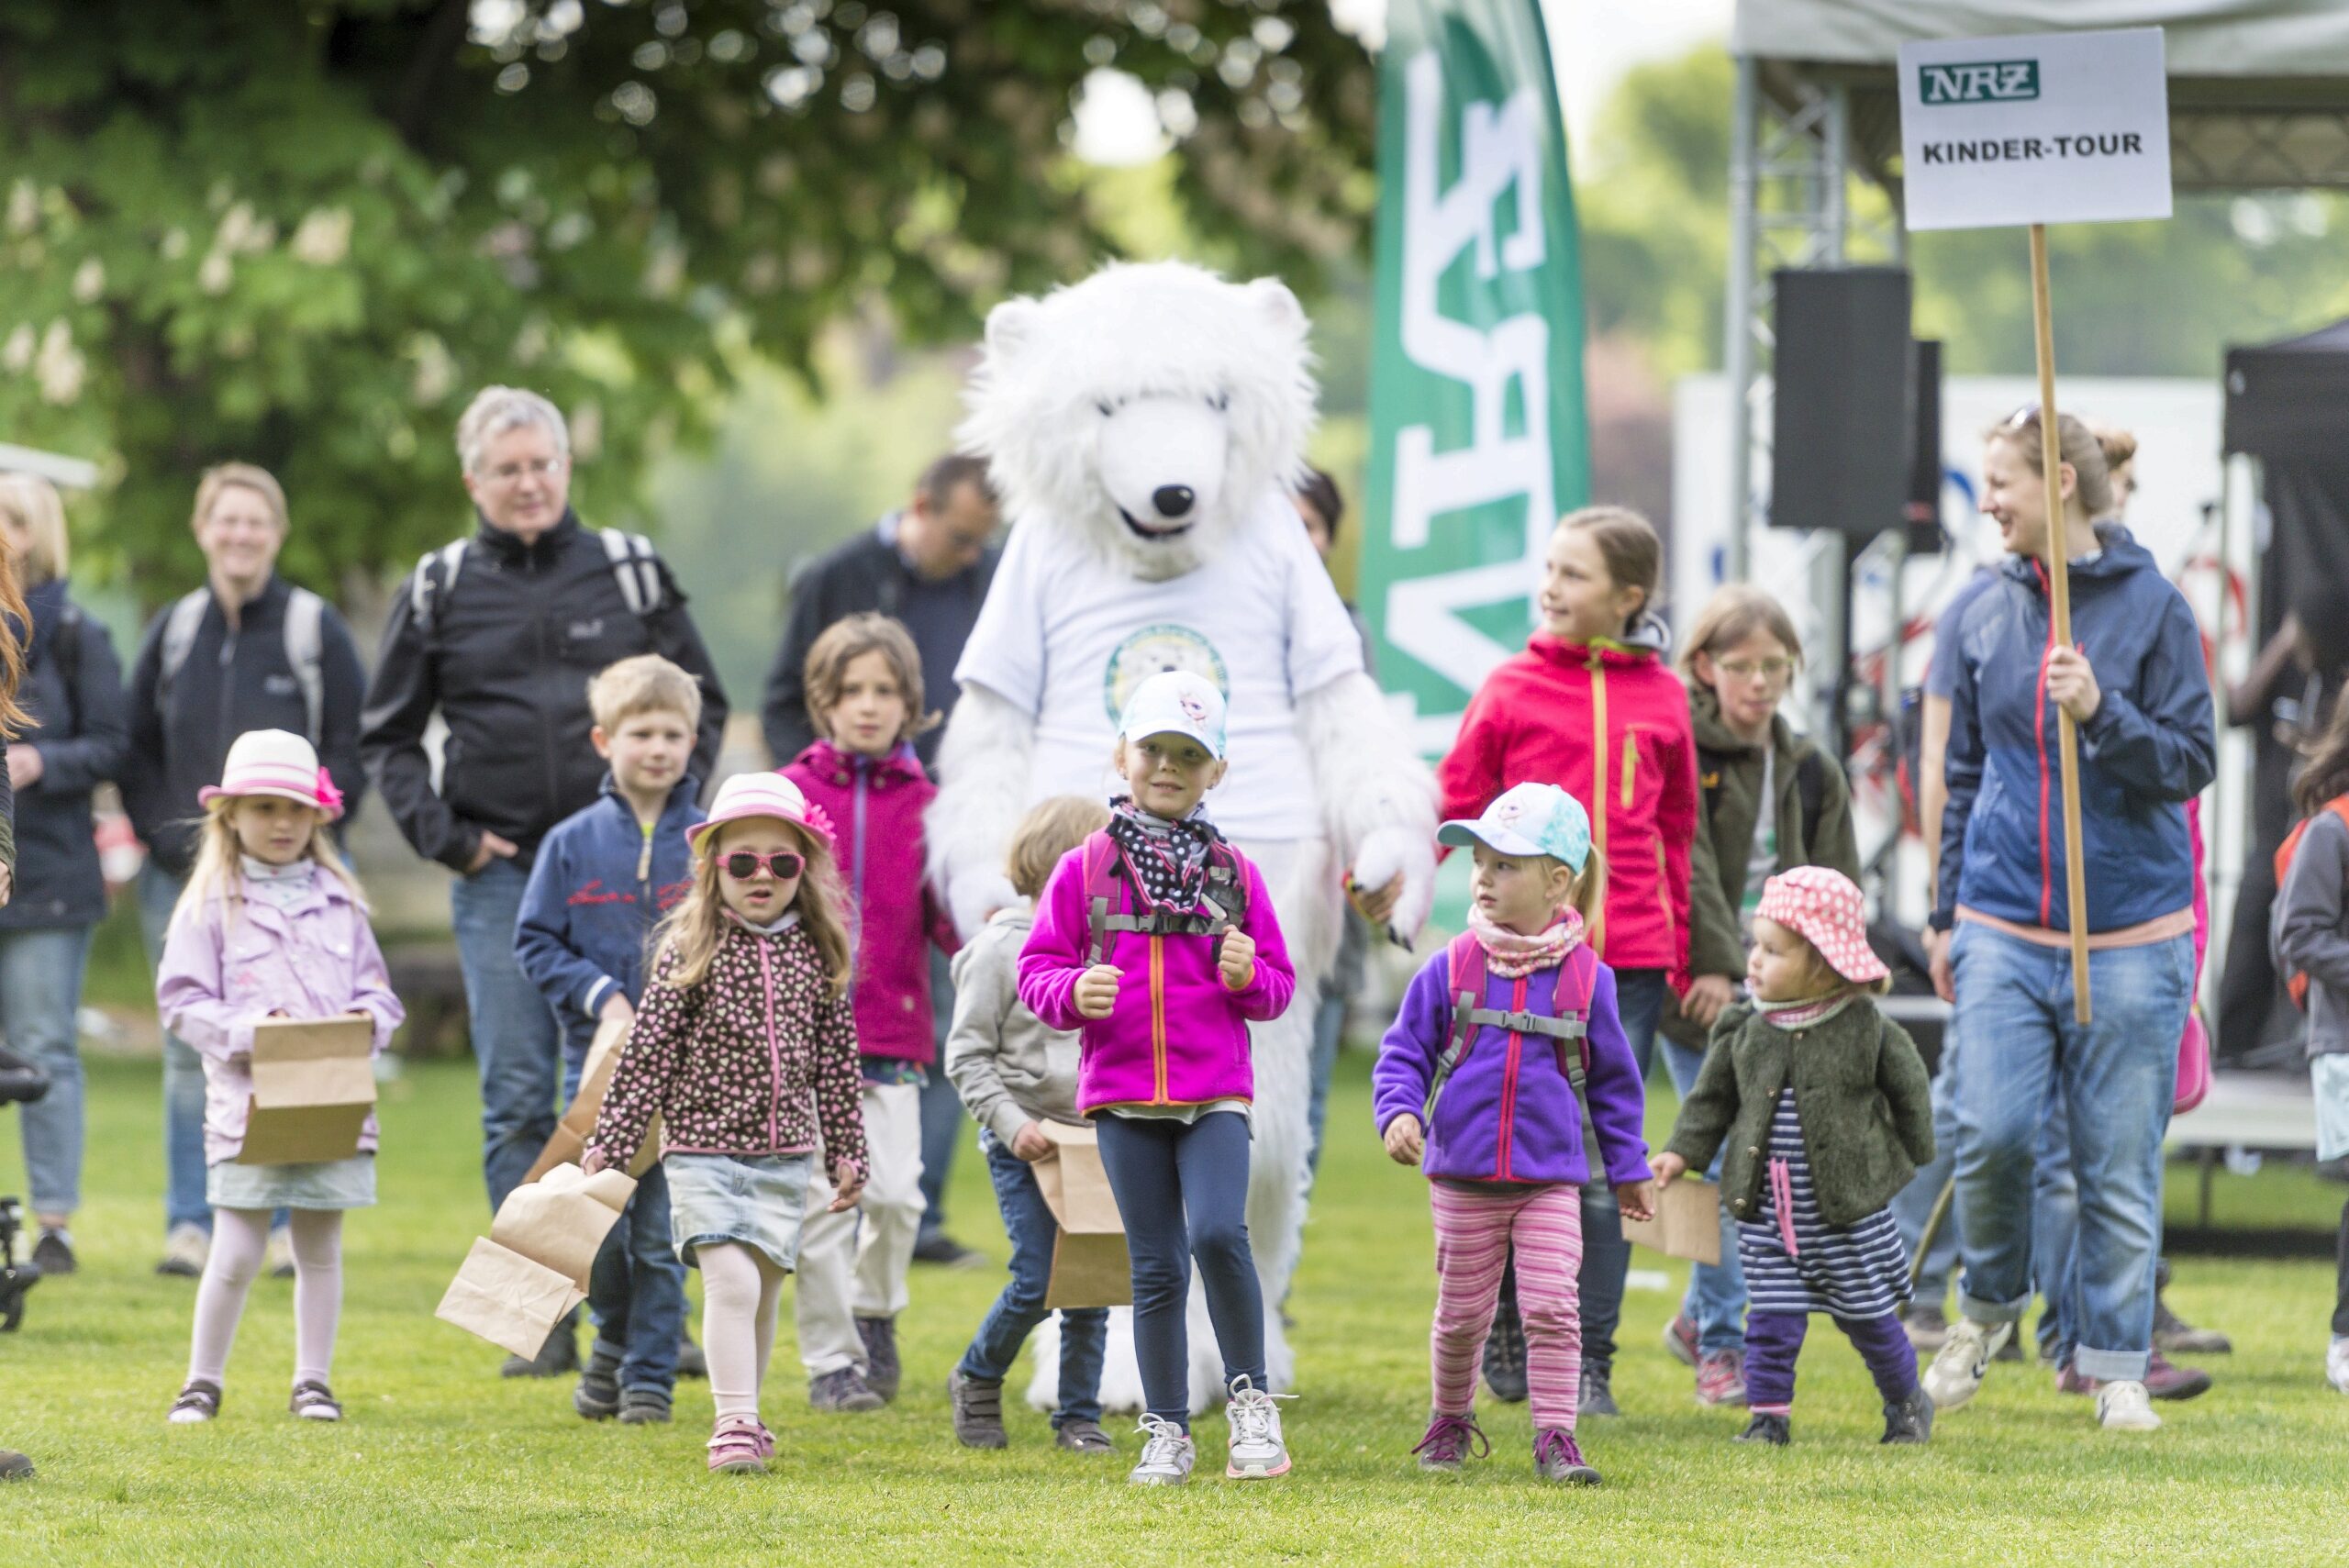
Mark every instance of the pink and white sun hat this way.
pixel 761 794
pixel 278 762
pixel 1824 907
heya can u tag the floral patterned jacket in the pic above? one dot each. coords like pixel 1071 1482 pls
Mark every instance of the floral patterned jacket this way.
pixel 758 1058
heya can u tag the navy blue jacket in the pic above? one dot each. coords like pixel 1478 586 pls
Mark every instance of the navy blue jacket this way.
pixel 593 900
pixel 80 737
pixel 2150 746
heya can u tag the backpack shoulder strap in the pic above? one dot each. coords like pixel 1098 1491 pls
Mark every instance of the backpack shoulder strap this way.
pixel 1224 858
pixel 185 619
pixel 1577 988
pixel 634 568
pixel 1464 959
pixel 435 580
pixel 1101 894
pixel 65 655
pixel 305 654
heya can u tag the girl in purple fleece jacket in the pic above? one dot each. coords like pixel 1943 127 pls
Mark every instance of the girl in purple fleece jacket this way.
pixel 1491 1107
pixel 1163 982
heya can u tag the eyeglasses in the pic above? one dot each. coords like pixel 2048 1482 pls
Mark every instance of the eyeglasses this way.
pixel 742 865
pixel 1771 670
pixel 2024 417
pixel 513 473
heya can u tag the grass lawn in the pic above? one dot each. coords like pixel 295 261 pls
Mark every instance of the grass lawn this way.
pixel 443 1462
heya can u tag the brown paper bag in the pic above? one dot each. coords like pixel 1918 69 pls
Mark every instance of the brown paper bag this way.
pixel 1688 1222
pixel 578 1123
pixel 314 1083
pixel 1089 1263
pixel 517 1282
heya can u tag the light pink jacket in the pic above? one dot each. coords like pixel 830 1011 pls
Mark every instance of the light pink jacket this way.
pixel 226 968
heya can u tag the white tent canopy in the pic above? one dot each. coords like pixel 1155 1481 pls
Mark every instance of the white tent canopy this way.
pixel 2259 89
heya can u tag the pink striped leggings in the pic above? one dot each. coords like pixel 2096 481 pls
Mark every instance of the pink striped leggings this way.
pixel 1474 1232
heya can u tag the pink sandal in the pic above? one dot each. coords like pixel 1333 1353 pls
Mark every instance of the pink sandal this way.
pixel 740 1446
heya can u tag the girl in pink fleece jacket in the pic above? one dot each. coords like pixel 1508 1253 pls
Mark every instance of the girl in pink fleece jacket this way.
pixel 1158 941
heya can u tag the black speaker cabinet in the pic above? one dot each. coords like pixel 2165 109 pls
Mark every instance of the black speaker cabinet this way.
pixel 1842 436
pixel 1925 453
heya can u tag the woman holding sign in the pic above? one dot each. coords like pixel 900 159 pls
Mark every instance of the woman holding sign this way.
pixel 2134 686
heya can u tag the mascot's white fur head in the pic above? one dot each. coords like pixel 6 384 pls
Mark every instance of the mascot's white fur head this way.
pixel 1147 408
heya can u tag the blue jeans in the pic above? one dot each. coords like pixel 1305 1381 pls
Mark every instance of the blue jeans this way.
pixel 636 1289
pixel 1606 1256
pixel 942 1118
pixel 517 1041
pixel 1085 1330
pixel 41 1001
pixel 1914 1206
pixel 1182 1189
pixel 1716 1297
pixel 184 1202
pixel 2055 1233
pixel 2118 1075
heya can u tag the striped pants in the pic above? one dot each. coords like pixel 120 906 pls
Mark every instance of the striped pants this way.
pixel 1474 1230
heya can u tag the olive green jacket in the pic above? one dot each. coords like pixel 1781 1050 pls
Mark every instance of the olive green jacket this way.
pixel 1860 1088
pixel 1729 776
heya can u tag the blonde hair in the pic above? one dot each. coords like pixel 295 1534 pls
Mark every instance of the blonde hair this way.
pixel 34 502
pixel 240 476
pixel 690 937
pixel 219 860
pixel 1628 543
pixel 644 682
pixel 1046 834
pixel 845 641
pixel 1737 612
pixel 2076 444
pixel 1587 898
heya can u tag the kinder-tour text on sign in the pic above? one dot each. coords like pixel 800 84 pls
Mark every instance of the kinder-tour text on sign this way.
pixel 2052 127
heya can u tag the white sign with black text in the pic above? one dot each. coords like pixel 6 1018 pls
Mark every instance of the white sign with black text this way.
pixel 2048 127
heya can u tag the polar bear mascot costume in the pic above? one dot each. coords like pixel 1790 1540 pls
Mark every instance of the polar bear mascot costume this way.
pixel 1145 428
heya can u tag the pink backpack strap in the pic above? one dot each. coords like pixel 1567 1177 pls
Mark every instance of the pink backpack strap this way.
pixel 1101 895
pixel 1578 976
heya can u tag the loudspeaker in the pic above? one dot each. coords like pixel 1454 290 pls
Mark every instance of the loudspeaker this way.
pixel 1841 430
pixel 1925 452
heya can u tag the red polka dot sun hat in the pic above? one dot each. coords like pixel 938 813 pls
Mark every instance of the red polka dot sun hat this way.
pixel 1826 909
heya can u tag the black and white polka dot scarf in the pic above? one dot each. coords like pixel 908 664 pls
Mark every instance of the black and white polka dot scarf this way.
pixel 1168 860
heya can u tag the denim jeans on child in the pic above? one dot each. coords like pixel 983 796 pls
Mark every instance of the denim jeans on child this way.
pixel 1716 1297
pixel 41 1001
pixel 1606 1256
pixel 184 1202
pixel 1182 1189
pixel 2117 1076
pixel 1085 1330
pixel 636 1289
pixel 518 1041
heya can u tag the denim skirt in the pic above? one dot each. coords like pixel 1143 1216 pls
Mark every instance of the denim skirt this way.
pixel 327 1183
pixel 755 1199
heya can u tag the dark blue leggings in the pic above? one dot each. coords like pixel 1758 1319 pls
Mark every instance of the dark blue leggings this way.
pixel 1182 1189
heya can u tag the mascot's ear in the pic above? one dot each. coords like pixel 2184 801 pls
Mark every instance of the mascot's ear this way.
pixel 1009 326
pixel 1269 298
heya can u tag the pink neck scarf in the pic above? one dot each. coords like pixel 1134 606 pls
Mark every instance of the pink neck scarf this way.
pixel 1512 955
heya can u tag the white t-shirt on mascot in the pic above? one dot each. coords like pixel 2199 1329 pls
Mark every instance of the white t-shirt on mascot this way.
pixel 1068 635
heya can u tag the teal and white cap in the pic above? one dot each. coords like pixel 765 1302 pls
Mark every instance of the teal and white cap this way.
pixel 1527 819
pixel 1176 702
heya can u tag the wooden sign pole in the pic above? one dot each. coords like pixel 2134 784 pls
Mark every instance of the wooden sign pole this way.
pixel 2059 601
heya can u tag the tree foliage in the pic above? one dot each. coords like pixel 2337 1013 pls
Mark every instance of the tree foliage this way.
pixel 301 232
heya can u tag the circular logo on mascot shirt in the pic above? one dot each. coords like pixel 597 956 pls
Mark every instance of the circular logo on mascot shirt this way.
pixel 1154 651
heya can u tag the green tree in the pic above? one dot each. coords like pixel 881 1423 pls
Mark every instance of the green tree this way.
pixel 301 233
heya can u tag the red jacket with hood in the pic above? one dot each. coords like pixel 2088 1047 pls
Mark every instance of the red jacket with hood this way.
pixel 1608 724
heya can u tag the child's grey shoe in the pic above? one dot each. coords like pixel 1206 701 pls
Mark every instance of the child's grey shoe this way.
pixel 1597 1396
pixel 1081 1436
pixel 1557 1457
pixel 841 1393
pixel 882 1371
pixel 1257 1451
pixel 314 1401
pixel 598 1397
pixel 15 1466
pixel 1450 1440
pixel 1909 1420
pixel 1774 1430
pixel 1167 1454
pixel 978 1408
pixel 199 1400
pixel 691 1363
pixel 645 1408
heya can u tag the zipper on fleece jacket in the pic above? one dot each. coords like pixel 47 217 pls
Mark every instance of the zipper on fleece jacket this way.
pixel 775 1048
pixel 1509 1087
pixel 1597 672
pixel 1158 1021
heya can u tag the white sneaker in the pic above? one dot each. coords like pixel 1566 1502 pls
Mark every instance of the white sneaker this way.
pixel 1955 1375
pixel 2336 1363
pixel 1257 1452
pixel 1167 1456
pixel 2124 1406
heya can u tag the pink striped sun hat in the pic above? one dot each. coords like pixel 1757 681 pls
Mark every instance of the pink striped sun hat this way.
pixel 761 794
pixel 278 762
pixel 1825 908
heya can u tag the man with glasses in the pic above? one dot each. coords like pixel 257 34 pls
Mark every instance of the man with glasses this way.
pixel 498 635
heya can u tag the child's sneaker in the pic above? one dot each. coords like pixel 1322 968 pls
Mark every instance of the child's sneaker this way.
pixel 882 1371
pixel 1909 1420
pixel 1956 1374
pixel 842 1392
pixel 1505 1355
pixel 598 1396
pixel 1776 1431
pixel 1167 1454
pixel 1450 1441
pixel 645 1408
pixel 1078 1435
pixel 1680 1340
pixel 739 1446
pixel 199 1400
pixel 1256 1452
pixel 2336 1363
pixel 314 1401
pixel 976 1407
pixel 2122 1406
pixel 1557 1457
pixel 1597 1396
pixel 691 1363
pixel 1720 1378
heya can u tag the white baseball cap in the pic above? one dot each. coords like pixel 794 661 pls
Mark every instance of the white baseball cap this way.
pixel 1176 702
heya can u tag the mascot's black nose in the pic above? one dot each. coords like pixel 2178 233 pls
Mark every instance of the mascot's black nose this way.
pixel 1173 500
